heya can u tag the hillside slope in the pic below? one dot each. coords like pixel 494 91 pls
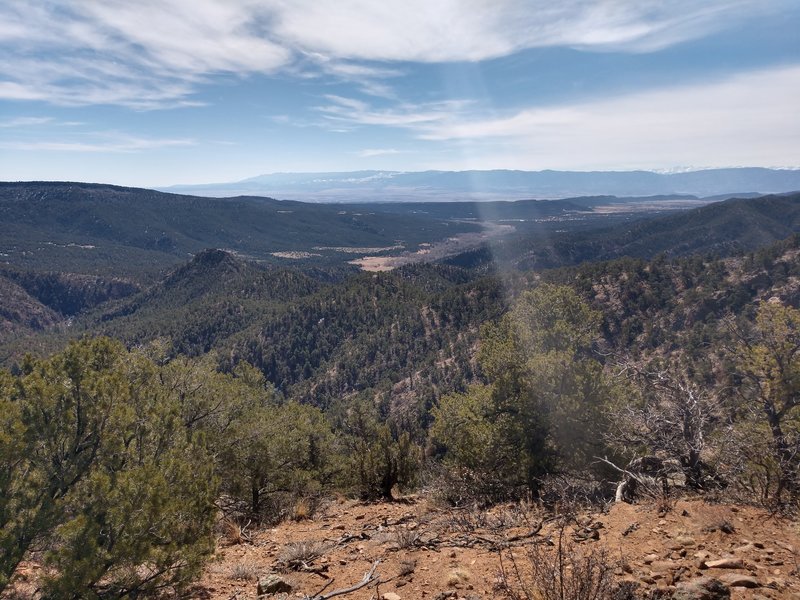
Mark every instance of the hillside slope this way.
pixel 427 551
pixel 110 230
pixel 722 228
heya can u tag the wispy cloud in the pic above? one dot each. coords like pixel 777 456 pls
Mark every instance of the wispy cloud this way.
pixel 371 152
pixel 747 119
pixel 472 30
pixel 25 122
pixel 157 53
pixel 370 79
pixel 145 54
pixel 352 111
pixel 98 142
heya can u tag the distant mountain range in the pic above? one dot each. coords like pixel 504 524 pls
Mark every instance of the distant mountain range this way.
pixel 372 186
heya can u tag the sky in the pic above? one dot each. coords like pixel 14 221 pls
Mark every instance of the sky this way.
pixel 161 92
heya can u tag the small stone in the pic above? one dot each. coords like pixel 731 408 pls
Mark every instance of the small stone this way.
pixel 650 558
pixel 390 596
pixel 627 568
pixel 737 580
pixel 662 565
pixel 776 583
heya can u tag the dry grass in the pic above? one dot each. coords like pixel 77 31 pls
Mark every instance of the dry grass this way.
pixel 244 571
pixel 405 538
pixel 235 533
pixel 302 510
pixel 299 555
pixel 407 567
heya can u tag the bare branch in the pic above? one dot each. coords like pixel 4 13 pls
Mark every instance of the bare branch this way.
pixel 369 577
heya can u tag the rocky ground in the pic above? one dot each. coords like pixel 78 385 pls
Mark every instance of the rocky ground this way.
pixel 694 550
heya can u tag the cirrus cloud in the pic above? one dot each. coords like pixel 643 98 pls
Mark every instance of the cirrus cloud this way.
pixel 157 53
pixel 746 119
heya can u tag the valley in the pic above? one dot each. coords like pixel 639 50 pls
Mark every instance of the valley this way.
pixel 516 345
pixel 438 250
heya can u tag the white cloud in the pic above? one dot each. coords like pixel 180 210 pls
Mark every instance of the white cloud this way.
pixel 357 112
pixel 25 122
pixel 155 53
pixel 747 119
pixel 144 54
pixel 97 142
pixel 456 30
pixel 371 152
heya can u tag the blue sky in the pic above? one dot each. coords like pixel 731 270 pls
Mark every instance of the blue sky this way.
pixel 160 92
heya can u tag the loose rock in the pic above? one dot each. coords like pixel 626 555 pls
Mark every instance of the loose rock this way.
pixel 273 584
pixel 725 563
pixel 737 580
pixel 704 588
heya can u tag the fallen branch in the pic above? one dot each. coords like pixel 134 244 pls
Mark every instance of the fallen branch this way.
pixel 369 577
pixel 639 479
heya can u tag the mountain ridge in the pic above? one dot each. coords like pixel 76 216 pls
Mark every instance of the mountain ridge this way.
pixel 387 185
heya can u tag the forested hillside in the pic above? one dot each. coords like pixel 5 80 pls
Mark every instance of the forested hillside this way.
pixel 721 228
pixel 281 386
pixel 139 233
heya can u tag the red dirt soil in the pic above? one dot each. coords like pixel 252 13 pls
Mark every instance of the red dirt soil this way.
pixel 425 551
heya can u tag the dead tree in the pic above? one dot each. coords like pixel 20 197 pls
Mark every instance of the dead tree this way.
pixel 671 422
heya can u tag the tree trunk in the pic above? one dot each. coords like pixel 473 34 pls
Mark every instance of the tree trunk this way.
pixel 787 460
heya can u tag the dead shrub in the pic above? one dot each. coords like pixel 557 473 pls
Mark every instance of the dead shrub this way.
pixel 462 487
pixel 565 571
pixel 575 490
pixel 234 532
pixel 299 555
pixel 244 571
pixel 405 538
